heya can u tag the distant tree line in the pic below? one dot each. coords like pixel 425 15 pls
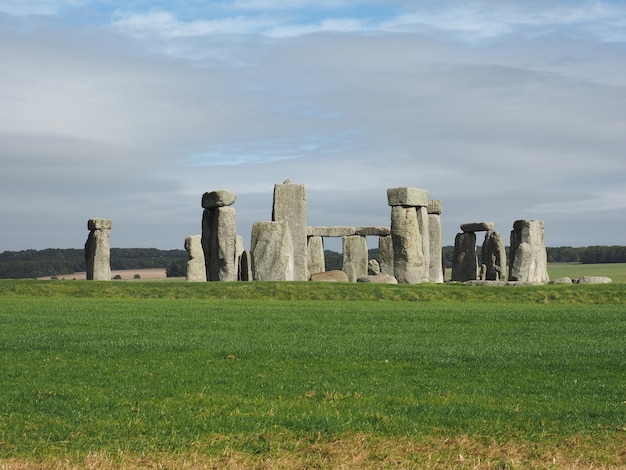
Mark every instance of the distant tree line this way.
pixel 55 261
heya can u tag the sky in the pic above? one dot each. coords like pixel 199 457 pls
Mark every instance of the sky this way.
pixel 130 110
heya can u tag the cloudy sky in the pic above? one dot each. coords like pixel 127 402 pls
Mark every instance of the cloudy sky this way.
pixel 132 109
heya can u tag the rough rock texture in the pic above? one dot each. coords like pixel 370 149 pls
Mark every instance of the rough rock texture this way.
pixel 345 231
pixel 562 280
pixel 435 235
pixel 422 222
pixel 290 206
pixel 373 268
pixel 330 276
pixel 408 197
pixel 315 260
pixel 385 255
pixel 478 227
pixel 196 268
pixel 355 257
pixel 594 280
pixel 464 261
pixel 372 231
pixel 98 250
pixel 378 279
pixel 493 257
pixel 272 252
pixel 529 259
pixel 219 242
pixel 219 198
pixel 409 265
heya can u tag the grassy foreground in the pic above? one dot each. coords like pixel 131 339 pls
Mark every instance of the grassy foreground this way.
pixel 179 375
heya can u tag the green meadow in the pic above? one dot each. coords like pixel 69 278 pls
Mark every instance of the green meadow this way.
pixel 301 375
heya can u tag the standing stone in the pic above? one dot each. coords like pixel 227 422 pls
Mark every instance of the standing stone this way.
pixel 493 257
pixel 385 255
pixel 464 261
pixel 219 240
pixel 422 222
pixel 290 206
pixel 98 250
pixel 196 269
pixel 435 235
pixel 408 259
pixel 315 251
pixel 529 259
pixel 373 268
pixel 245 266
pixel 272 252
pixel 355 257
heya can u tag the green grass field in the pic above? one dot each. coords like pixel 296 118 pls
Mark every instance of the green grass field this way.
pixel 175 375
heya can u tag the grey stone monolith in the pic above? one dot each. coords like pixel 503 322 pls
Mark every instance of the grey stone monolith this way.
pixel 354 257
pixel 245 266
pixel 219 242
pixel 385 255
pixel 196 268
pixel 98 250
pixel 290 206
pixel 435 235
pixel 528 256
pixel 315 251
pixel 272 252
pixel 219 198
pixel 493 257
pixel 409 265
pixel 422 222
pixel 464 260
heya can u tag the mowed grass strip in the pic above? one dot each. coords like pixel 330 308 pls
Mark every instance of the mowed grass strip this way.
pixel 118 378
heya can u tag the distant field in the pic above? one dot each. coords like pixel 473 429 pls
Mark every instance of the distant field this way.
pixel 212 375
pixel 616 271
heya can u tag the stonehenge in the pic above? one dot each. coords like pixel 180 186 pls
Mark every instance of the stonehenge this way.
pixel 196 268
pixel 285 248
pixel 98 250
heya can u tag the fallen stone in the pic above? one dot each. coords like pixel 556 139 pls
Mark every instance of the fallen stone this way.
pixel 219 198
pixel 561 280
pixel 594 280
pixel 373 268
pixel 478 227
pixel 330 276
pixel 408 197
pixel 378 279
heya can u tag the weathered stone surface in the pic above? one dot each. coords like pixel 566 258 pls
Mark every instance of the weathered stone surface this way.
pixel 378 279
pixel 290 206
pixel 529 259
pixel 408 258
pixel 594 280
pixel 493 257
pixel 561 280
pixel 408 197
pixel 98 250
pixel 373 231
pixel 245 266
pixel 355 257
pixel 272 252
pixel 219 198
pixel 316 262
pixel 219 242
pixel 435 234
pixel 99 224
pixel 478 227
pixel 330 276
pixel 434 206
pixel 330 231
pixel 385 255
pixel 464 261
pixel 422 223
pixel 196 268
pixel 373 268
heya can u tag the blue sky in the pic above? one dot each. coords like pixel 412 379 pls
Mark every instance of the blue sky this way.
pixel 130 110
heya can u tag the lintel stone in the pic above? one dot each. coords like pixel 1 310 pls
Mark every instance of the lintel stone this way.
pixel 99 224
pixel 219 198
pixel 434 206
pixel 408 197
pixel 478 227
